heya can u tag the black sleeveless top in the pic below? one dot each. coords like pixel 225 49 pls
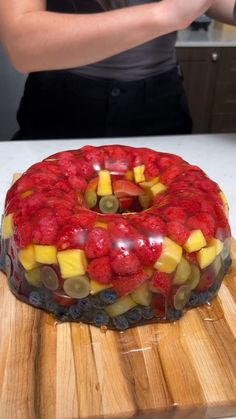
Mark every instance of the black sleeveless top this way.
pixel 151 58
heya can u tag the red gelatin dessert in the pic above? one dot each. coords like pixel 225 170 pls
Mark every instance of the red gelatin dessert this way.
pixel 115 236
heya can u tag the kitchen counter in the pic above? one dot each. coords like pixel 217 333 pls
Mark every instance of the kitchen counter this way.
pixel 215 154
pixel 214 37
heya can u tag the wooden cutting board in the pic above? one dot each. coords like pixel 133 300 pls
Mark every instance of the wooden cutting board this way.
pixel 181 370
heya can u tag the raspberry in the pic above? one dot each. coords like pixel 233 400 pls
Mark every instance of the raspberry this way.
pixel 120 231
pixel 161 282
pixel 62 185
pixel 152 225
pixel 124 262
pixel 206 185
pixel 22 235
pixel 171 173
pixel 98 243
pixel 100 270
pixel 45 228
pixel 77 183
pixel 177 232
pixel 189 205
pixel 174 214
pixel 191 257
pixel 33 203
pixel 85 169
pixel 167 160
pixel 86 219
pixel 147 252
pixel 71 237
pixel 204 222
pixel 124 285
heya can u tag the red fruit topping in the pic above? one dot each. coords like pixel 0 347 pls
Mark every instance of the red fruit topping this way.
pixel 100 270
pixel 23 232
pixel 124 262
pixel 191 257
pixel 73 237
pixel 126 202
pixel 222 220
pixel 189 205
pixel 159 305
pixel 147 252
pixel 206 184
pixel 124 285
pixel 33 203
pixel 171 173
pixel 161 283
pixel 77 183
pixel 98 243
pixel 204 222
pixel 152 225
pixel 121 231
pixel 63 300
pixel 206 281
pixel 86 219
pixel 177 232
pixel 85 169
pixel 126 187
pixel 62 185
pixel 45 227
pixel 151 169
pixel 174 214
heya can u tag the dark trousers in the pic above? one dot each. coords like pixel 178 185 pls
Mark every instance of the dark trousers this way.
pixel 61 104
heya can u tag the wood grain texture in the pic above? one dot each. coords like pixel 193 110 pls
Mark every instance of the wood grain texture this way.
pixel 183 370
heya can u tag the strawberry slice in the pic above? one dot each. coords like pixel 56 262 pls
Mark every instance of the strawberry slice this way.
pixel 126 202
pixel 124 285
pixel 203 221
pixel 177 232
pixel 159 305
pixel 161 283
pixel 206 281
pixel 126 187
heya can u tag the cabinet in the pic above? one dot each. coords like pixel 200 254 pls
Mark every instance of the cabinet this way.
pixel 210 83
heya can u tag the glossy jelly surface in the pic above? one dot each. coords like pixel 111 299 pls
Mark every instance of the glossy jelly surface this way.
pixel 115 236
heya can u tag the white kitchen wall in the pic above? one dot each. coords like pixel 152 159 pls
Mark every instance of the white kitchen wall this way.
pixel 11 88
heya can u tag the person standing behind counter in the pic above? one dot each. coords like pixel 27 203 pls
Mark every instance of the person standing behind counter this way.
pixel 101 68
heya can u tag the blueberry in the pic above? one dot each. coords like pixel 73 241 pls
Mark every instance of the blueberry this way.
pixel 134 315
pixel 52 306
pixel 45 294
pixel 204 297
pixel 108 296
pixel 147 313
pixel 100 318
pixel 35 299
pixel 75 312
pixel 193 300
pixel 84 304
pixel 174 314
pixel 120 322
pixel 97 302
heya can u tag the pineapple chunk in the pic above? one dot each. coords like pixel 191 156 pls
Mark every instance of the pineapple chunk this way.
pixel 45 253
pixel 72 262
pixel 223 198
pixel 157 188
pixel 170 256
pixel 120 306
pixel 148 184
pixel 101 225
pixel 96 287
pixel 206 256
pixel 195 241
pixel 104 183
pixel 7 226
pixel 217 244
pixel 26 257
pixel 139 173
pixel 183 272
pixel 27 193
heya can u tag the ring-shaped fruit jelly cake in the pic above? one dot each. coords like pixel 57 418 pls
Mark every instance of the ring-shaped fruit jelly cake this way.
pixel 115 236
